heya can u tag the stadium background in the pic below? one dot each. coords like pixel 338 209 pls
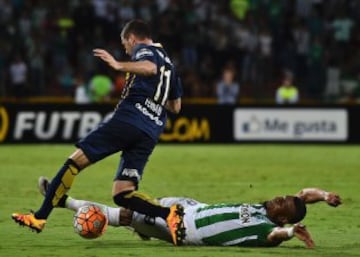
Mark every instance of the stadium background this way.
pixel 316 41
pixel 46 60
pixel 54 40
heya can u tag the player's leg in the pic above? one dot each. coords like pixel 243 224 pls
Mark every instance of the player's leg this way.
pixel 147 227
pixel 70 203
pixel 94 147
pixel 150 227
pixel 126 195
pixel 61 183
pixel 125 186
pixel 151 219
pixel 130 170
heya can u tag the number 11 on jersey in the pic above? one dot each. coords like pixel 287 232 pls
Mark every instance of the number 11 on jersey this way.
pixel 160 94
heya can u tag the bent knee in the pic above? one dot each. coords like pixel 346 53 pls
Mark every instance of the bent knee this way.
pixel 79 157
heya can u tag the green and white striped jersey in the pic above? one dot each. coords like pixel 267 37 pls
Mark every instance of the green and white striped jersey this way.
pixel 227 224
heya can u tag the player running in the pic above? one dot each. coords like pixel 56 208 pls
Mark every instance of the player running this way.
pixel 152 86
pixel 221 224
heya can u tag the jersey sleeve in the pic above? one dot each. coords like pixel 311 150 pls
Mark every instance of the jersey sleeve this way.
pixel 144 54
pixel 176 90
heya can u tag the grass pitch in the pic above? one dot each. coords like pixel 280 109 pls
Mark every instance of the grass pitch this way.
pixel 210 173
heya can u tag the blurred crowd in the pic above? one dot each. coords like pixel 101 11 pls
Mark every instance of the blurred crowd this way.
pixel 46 47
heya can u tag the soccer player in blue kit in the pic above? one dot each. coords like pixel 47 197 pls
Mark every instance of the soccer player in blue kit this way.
pixel 152 87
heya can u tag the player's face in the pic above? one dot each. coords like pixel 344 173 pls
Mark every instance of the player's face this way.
pixel 125 42
pixel 281 209
pixel 128 43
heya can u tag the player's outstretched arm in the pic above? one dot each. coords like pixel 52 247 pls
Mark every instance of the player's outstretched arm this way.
pixel 108 58
pixel 145 68
pixel 280 234
pixel 314 195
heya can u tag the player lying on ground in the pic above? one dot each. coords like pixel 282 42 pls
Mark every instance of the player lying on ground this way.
pixel 221 224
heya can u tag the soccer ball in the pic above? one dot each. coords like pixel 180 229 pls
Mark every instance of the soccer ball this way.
pixel 90 222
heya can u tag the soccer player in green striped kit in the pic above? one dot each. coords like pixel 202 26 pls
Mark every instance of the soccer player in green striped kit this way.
pixel 266 224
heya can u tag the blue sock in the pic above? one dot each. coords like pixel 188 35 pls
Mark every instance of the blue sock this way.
pixel 58 187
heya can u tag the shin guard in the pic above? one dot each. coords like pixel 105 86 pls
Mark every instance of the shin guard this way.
pixel 66 181
pixel 58 187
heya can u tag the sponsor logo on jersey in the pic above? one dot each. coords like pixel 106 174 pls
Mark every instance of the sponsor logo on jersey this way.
pixel 154 107
pixel 143 52
pixel 147 113
pixel 245 213
pixel 131 173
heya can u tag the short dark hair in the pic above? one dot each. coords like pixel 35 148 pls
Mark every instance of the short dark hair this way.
pixel 300 210
pixel 137 27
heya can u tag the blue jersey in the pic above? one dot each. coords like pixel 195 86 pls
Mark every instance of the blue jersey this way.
pixel 144 97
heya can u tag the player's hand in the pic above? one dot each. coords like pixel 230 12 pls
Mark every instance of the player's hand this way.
pixel 333 199
pixel 106 57
pixel 302 234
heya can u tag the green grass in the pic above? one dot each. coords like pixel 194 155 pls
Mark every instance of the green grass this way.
pixel 210 173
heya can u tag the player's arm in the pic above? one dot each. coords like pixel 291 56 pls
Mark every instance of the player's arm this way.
pixel 173 106
pixel 314 195
pixel 144 68
pixel 173 103
pixel 280 234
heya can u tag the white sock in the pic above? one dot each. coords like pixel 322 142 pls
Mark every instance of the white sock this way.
pixel 113 214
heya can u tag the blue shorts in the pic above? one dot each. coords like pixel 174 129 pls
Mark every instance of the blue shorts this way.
pixel 113 136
